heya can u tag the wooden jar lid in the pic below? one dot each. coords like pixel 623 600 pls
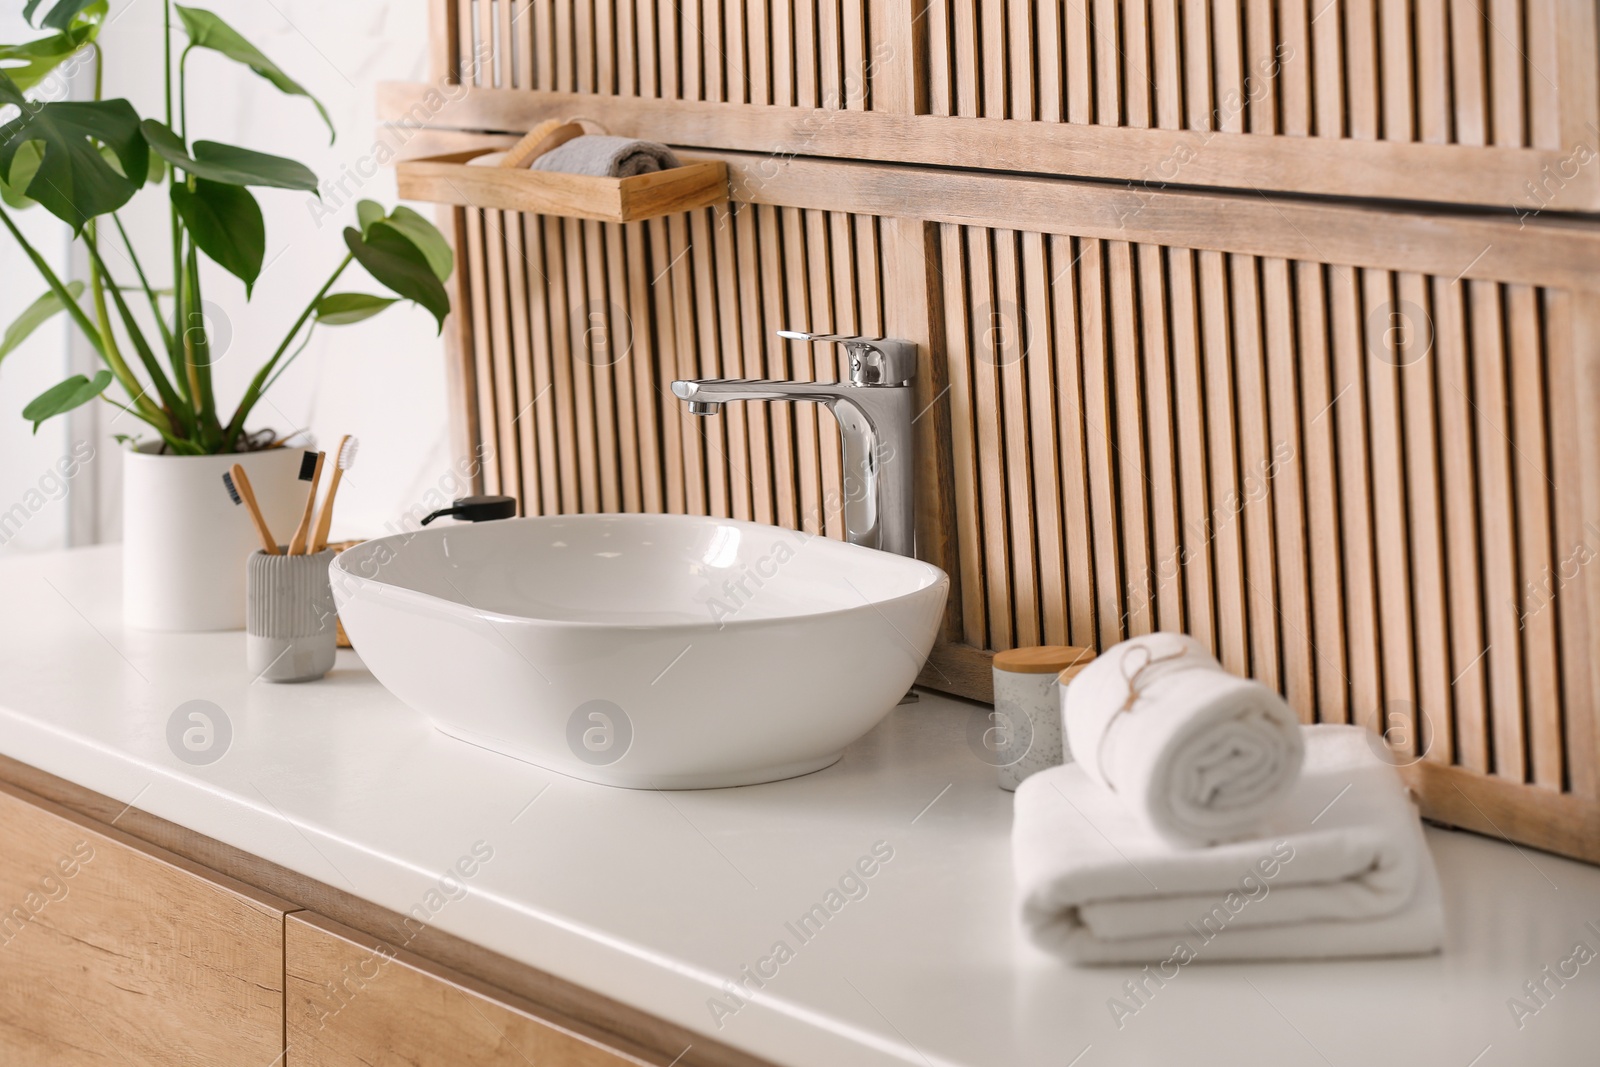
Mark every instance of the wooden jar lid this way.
pixel 1046 659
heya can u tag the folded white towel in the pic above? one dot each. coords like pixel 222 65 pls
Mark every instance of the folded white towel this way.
pixel 1341 869
pixel 1199 754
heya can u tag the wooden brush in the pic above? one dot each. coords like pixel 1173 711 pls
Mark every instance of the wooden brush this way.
pixel 310 471
pixel 238 484
pixel 344 459
pixel 548 135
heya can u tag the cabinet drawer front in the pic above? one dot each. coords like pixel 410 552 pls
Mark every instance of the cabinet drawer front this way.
pixel 114 952
pixel 356 1002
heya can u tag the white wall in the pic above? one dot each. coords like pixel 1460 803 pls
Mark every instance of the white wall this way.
pixel 383 380
pixel 33 509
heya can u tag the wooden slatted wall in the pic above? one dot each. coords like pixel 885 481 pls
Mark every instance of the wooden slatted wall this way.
pixel 743 51
pixel 1441 71
pixel 1352 446
pixel 586 325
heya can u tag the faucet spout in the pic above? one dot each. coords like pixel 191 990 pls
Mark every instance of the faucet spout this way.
pixel 875 432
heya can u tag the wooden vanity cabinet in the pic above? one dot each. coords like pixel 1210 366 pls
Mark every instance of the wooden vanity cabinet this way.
pixel 353 1001
pixel 128 946
pixel 113 951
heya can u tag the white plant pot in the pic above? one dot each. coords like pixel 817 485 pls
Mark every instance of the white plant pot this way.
pixel 185 543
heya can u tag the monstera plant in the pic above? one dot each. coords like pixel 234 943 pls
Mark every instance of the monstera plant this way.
pixel 84 161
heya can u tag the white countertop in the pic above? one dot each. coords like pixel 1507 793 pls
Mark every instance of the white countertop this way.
pixel 657 899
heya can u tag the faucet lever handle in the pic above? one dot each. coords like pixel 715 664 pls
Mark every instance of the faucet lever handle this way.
pixel 873 360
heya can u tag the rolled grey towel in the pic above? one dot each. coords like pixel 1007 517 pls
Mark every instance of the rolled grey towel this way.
pixel 607 157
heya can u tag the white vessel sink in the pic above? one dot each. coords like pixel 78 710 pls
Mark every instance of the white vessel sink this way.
pixel 649 651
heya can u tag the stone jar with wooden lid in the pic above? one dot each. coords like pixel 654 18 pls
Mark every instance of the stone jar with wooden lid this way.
pixel 1026 724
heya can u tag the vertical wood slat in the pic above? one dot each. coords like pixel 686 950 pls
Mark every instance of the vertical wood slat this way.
pixel 991 499
pixel 1099 428
pixel 1537 567
pixel 1467 51
pixel 1106 46
pixel 1193 455
pixel 727 309
pixel 674 467
pixel 1222 522
pixel 1571 345
pixel 964 447
pixel 1009 353
pixel 1417 367
pixel 1132 481
pixel 1320 392
pixel 1284 475
pixel 719 436
pixel 483 367
pixel 1080 62
pixel 1255 446
pixel 1507 76
pixel 1075 505
pixel 1385 329
pixel 750 363
pixel 798 252
pixel 785 486
pixel 1349 412
pixel 1038 362
pixel 1458 424
pixel 522 385
pixel 556 275
pixel 1491 405
pixel 1165 567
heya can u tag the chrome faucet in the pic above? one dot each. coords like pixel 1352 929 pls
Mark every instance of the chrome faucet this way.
pixel 873 409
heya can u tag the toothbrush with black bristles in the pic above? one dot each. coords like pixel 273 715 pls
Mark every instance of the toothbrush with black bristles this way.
pixel 310 471
pixel 238 484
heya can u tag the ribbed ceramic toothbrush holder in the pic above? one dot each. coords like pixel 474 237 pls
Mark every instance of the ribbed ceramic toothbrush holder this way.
pixel 290 626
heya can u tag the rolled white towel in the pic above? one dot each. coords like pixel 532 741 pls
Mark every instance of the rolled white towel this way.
pixel 1199 755
pixel 1341 869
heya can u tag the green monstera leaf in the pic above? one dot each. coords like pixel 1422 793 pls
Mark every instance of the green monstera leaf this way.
pixel 32 62
pixel 35 315
pixel 207 31
pixel 226 224
pixel 24 165
pixel 226 163
pixel 61 15
pixel 397 263
pixel 75 392
pixel 422 233
pixel 73 181
pixel 344 309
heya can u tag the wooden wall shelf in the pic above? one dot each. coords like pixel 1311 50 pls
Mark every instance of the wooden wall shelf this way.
pixel 449 179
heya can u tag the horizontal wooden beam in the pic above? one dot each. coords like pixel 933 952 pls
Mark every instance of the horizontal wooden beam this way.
pixel 1510 811
pixel 1143 158
pixel 1561 253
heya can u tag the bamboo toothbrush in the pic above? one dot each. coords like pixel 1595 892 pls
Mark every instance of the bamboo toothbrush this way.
pixel 346 458
pixel 238 484
pixel 310 471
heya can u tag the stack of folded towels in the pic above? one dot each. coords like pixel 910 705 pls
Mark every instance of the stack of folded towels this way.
pixel 1198 819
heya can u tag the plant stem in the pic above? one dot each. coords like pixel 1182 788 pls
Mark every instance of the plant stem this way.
pixel 288 360
pixel 169 398
pixel 197 355
pixel 166 53
pixel 183 93
pixel 258 383
pixel 113 359
pixel 150 294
